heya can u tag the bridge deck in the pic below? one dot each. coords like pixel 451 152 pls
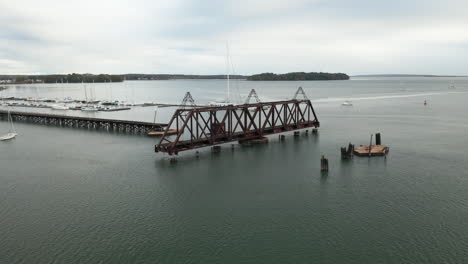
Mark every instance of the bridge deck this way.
pixel 81 121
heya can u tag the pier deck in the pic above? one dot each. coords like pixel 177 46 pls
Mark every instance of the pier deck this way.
pixel 84 122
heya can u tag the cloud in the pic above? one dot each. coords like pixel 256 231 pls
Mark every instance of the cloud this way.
pixel 182 36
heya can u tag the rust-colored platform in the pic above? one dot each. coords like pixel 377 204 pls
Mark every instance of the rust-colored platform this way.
pixel 161 133
pixel 375 150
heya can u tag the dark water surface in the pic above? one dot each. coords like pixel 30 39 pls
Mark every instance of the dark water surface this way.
pixel 79 196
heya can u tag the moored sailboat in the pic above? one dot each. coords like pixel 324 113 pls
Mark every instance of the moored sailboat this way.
pixel 12 132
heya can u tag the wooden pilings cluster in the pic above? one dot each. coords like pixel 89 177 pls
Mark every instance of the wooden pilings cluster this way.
pixel 216 149
pixel 347 153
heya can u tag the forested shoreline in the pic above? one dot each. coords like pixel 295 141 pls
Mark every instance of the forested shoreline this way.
pixel 299 76
pixel 102 78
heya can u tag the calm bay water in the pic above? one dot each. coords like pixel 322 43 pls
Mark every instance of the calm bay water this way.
pixel 85 196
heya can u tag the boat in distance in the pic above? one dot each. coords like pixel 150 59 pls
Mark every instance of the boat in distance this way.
pixel 12 132
pixel 60 107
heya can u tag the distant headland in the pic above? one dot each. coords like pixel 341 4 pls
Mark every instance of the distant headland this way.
pixel 103 78
pixel 299 76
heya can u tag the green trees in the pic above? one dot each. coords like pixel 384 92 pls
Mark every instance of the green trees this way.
pixel 298 76
pixel 77 78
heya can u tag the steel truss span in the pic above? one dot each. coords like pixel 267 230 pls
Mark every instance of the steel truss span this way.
pixel 208 126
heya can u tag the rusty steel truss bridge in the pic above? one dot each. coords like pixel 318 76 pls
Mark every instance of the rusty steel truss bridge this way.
pixel 208 126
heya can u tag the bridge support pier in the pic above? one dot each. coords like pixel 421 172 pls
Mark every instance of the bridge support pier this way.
pixel 216 149
pixel 254 141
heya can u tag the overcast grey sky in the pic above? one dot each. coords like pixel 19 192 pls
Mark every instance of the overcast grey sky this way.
pixel 187 36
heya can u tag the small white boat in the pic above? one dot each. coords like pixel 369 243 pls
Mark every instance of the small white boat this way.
pixel 41 99
pixel 12 133
pixel 346 103
pixel 89 109
pixel 8 136
pixel 67 100
pixel 60 107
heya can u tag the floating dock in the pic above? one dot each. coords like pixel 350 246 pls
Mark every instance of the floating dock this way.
pixel 371 150
pixel 161 133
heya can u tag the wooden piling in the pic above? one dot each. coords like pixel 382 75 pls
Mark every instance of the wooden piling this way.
pixel 216 149
pixel 347 153
pixel 378 140
pixel 324 164
pixel 370 145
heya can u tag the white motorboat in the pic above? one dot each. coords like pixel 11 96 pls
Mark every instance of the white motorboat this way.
pixel 346 103
pixel 89 109
pixel 60 107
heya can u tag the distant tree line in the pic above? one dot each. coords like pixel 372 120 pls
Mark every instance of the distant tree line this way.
pixel 100 78
pixel 298 76
pixel 136 76
pixel 63 78
pixel 78 78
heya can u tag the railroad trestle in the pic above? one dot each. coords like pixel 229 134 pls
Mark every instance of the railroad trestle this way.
pixel 208 126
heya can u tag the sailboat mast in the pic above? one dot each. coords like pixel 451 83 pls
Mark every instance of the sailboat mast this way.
pixel 12 125
pixel 10 119
pixel 110 88
pixel 227 73
pixel 93 94
pixel 85 92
